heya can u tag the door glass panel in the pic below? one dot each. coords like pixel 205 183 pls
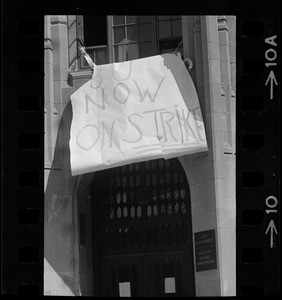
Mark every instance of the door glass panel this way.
pixel 119 212
pixel 139 211
pixel 132 211
pixel 125 211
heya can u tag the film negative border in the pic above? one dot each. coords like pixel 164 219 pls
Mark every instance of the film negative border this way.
pixel 22 163
pixel 258 177
pixel 258 207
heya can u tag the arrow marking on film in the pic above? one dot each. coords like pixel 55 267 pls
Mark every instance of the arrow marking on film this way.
pixel 272 228
pixel 271 78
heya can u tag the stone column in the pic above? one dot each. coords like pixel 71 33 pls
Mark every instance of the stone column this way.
pixel 225 82
pixel 231 23
pixel 217 77
pixel 59 231
pixel 50 117
pixel 60 50
pixel 59 33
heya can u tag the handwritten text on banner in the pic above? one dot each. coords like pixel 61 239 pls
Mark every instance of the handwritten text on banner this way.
pixel 135 111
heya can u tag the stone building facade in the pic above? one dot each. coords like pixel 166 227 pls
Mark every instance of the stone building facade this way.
pixel 76 258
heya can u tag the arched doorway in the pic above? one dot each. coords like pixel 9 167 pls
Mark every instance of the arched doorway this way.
pixel 142 231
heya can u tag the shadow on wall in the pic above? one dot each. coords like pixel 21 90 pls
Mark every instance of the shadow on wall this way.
pixel 59 266
pixel 183 79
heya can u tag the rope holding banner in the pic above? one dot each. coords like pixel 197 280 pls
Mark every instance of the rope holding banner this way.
pixel 87 58
pixel 86 55
pixel 181 42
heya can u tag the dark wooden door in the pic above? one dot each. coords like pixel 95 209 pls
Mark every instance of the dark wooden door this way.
pixel 152 275
pixel 143 231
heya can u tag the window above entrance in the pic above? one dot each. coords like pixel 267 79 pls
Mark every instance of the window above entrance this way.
pixel 124 37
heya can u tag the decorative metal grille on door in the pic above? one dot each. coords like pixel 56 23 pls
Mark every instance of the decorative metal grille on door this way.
pixel 144 206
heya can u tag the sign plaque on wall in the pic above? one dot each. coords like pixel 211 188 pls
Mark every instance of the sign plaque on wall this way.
pixel 205 250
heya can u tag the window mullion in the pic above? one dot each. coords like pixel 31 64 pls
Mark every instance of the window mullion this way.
pixel 126 40
pixel 154 36
pixel 110 39
pixel 80 31
pixel 80 35
pixel 139 37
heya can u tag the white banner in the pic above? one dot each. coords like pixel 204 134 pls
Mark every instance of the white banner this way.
pixel 135 111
